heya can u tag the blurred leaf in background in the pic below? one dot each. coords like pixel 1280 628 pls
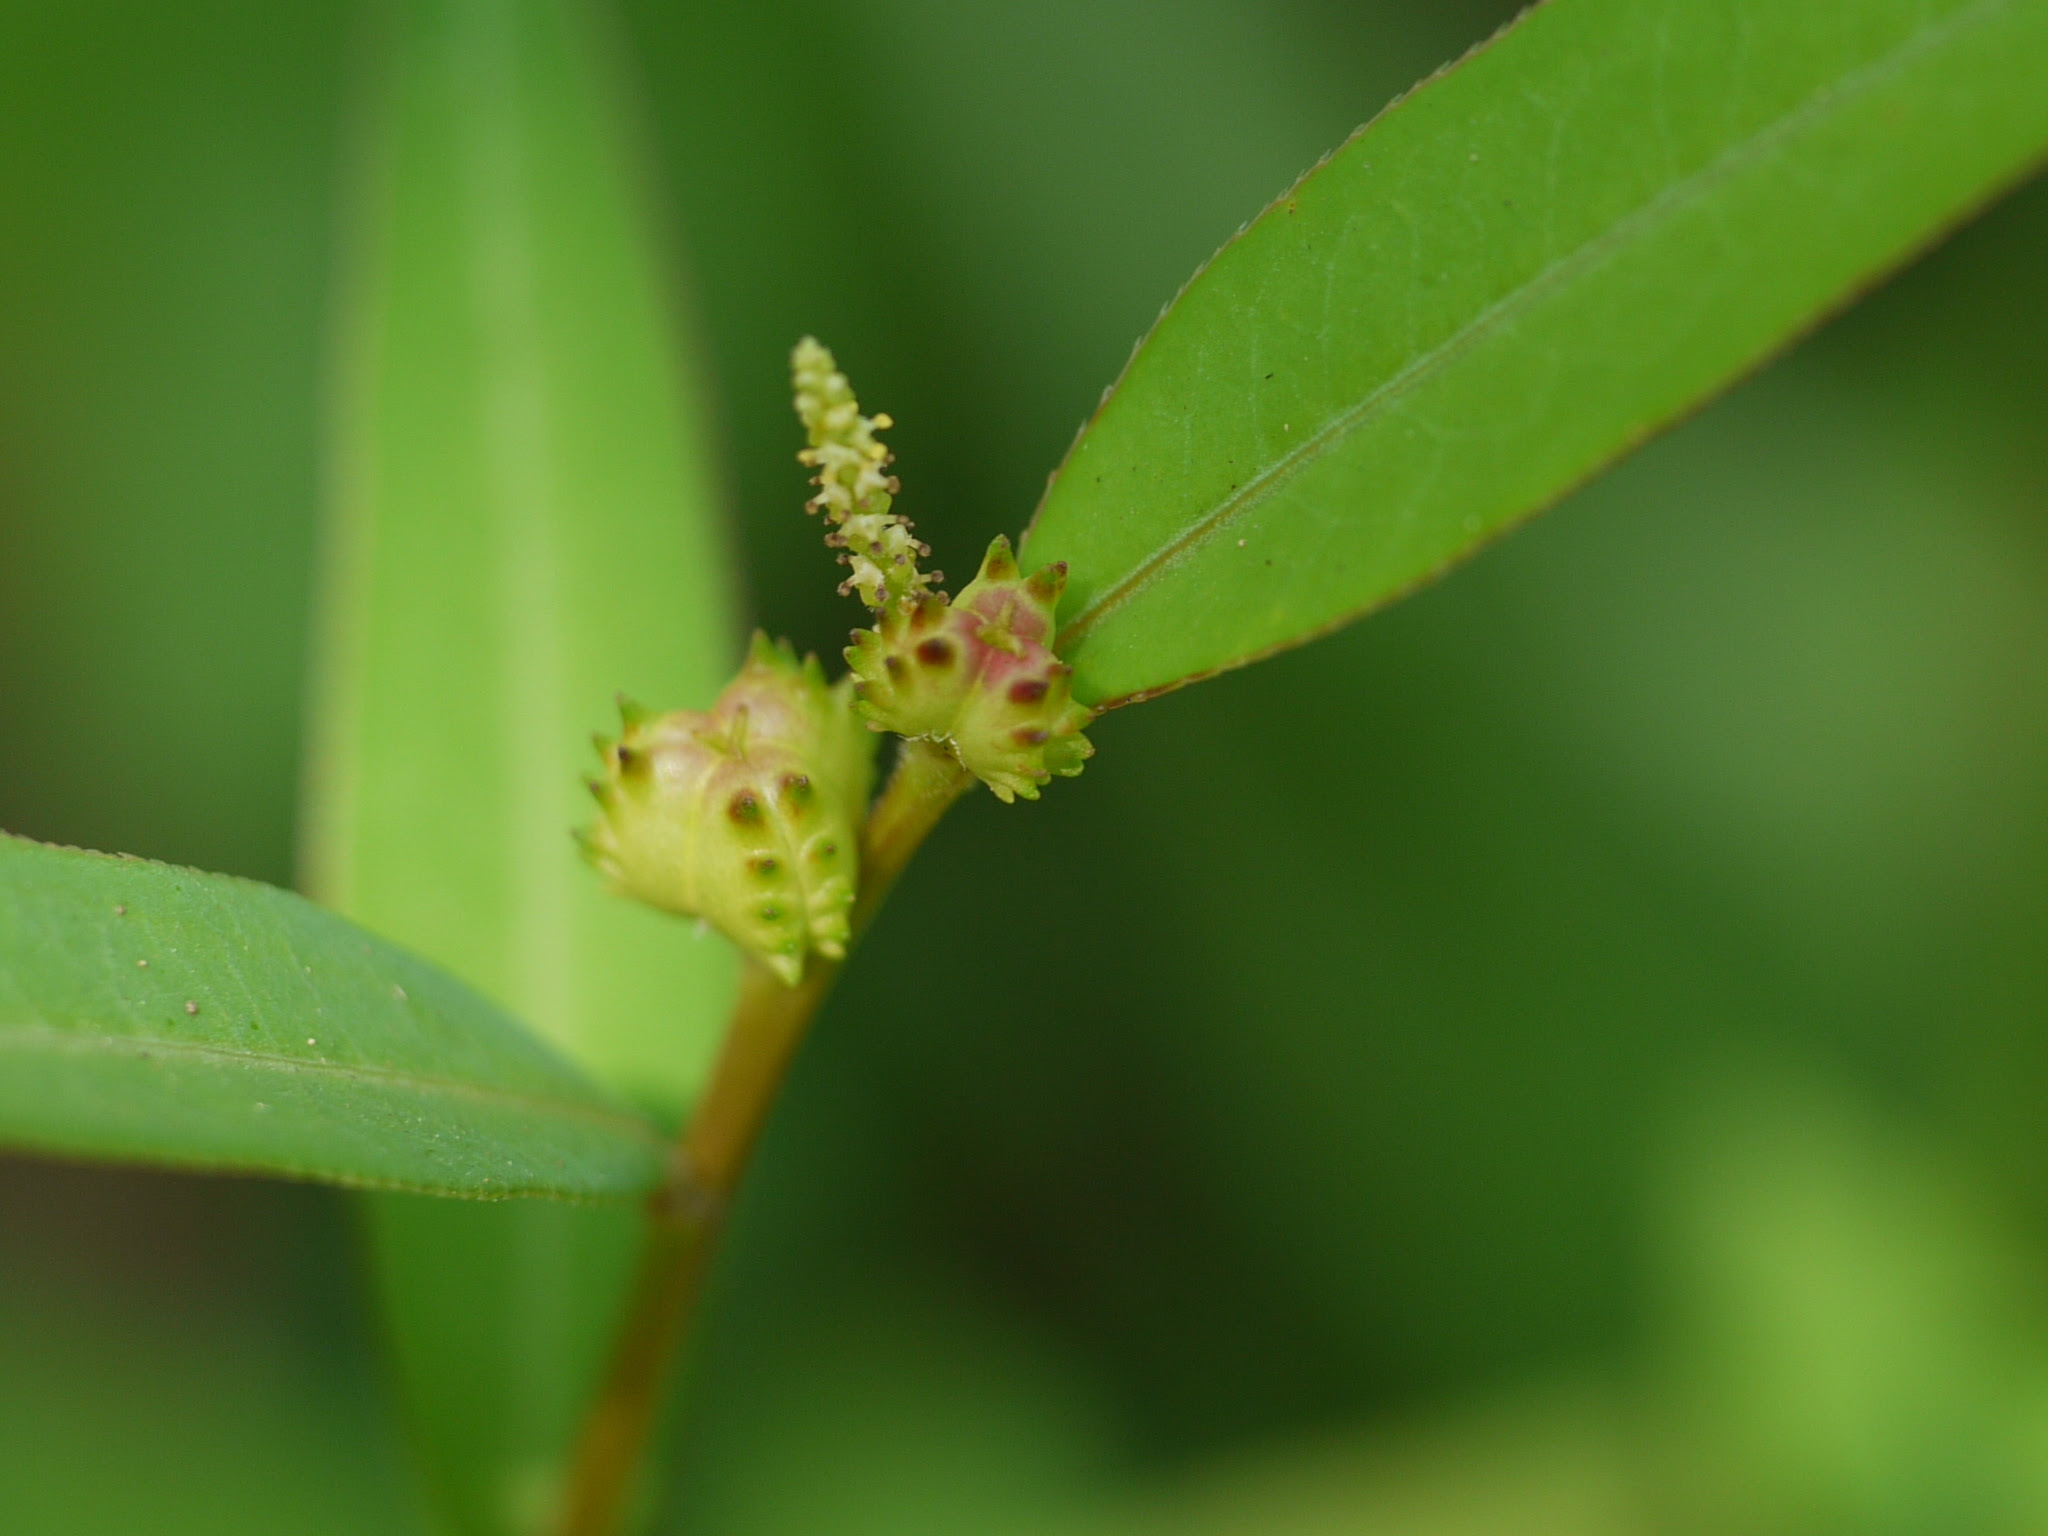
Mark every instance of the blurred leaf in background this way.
pixel 190 1356
pixel 1564 988
pixel 1853 1326
pixel 165 264
pixel 524 521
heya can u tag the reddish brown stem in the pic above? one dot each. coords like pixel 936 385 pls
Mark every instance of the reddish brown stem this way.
pixel 684 1218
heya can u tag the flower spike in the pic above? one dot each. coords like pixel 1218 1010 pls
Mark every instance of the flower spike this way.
pixel 855 488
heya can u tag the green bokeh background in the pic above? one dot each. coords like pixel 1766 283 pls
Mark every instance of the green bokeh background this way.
pixel 1566 1054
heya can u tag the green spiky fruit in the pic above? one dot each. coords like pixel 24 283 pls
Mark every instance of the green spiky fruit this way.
pixel 746 815
pixel 977 673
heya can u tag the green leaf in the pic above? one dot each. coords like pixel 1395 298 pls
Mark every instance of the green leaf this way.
pixel 163 1015
pixel 1506 281
pixel 524 522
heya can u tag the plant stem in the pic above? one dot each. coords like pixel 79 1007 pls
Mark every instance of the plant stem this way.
pixel 685 1217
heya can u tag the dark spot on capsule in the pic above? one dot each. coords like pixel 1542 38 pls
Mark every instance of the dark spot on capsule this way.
pixel 744 807
pixel 797 787
pixel 766 866
pixel 935 652
pixel 1027 690
pixel 1030 736
pixel 1048 582
pixel 894 665
pixel 771 912
pixel 826 851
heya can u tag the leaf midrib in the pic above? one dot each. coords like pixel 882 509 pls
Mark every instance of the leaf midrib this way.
pixel 1668 203
pixel 82 1042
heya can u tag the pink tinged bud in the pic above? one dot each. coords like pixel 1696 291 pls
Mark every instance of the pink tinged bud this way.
pixel 978 674
pixel 746 815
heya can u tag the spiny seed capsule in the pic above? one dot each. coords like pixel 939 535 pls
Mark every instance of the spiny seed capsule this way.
pixel 739 814
pixel 978 673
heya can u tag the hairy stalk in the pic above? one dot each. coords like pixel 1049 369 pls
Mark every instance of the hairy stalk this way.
pixel 684 1218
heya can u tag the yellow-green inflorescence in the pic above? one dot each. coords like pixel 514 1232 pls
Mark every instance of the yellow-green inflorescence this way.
pixel 746 815
pixel 975 673
pixel 749 814
pixel 855 488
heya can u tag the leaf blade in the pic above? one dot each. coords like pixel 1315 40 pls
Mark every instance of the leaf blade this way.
pixel 1510 278
pixel 525 520
pixel 267 1036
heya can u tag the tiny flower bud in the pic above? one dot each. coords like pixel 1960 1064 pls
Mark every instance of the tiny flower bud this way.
pixel 747 815
pixel 977 672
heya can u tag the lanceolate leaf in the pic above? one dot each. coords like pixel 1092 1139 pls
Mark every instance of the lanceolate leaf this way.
pixel 167 1016
pixel 1506 281
pixel 523 523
